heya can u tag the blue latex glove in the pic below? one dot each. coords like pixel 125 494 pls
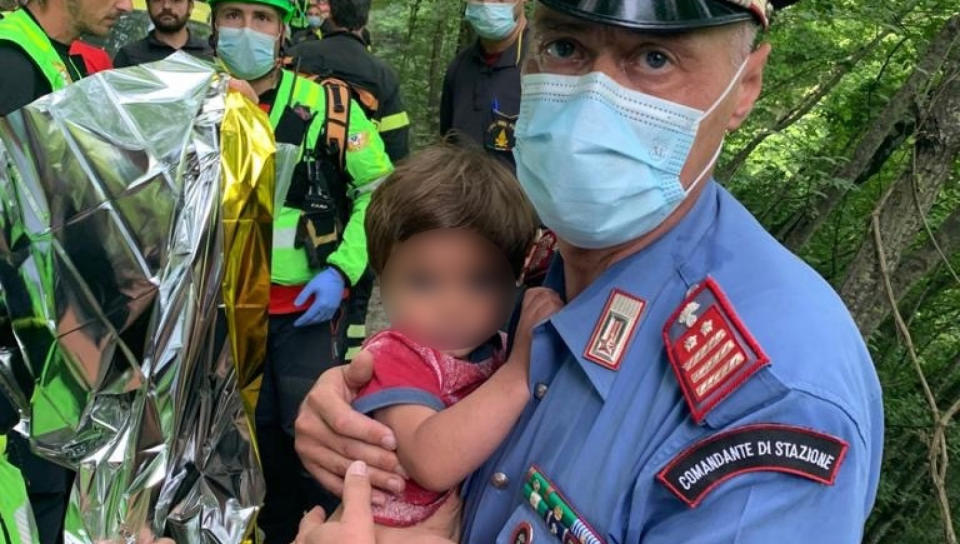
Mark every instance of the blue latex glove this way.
pixel 326 288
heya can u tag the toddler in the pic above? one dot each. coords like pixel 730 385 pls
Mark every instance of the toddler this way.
pixel 448 233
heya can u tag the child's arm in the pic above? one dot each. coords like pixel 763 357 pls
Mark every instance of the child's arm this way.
pixel 440 449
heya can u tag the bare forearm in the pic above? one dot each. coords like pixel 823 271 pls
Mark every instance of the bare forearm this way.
pixel 447 446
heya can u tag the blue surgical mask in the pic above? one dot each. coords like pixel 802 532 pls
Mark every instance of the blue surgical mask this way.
pixel 315 21
pixel 600 162
pixel 491 21
pixel 247 53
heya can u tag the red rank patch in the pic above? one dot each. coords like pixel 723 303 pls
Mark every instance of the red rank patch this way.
pixel 710 350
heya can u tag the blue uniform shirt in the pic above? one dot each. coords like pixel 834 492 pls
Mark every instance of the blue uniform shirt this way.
pixel 601 435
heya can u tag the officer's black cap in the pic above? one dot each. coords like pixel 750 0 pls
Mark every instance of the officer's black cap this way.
pixel 668 15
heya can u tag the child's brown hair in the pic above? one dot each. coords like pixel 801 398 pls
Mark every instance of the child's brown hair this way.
pixel 450 187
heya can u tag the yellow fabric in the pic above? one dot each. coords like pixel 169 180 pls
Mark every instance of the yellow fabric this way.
pixel 247 181
pixel 394 122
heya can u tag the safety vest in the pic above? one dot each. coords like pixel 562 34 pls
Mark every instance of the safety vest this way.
pixel 20 28
pixel 289 265
pixel 17 525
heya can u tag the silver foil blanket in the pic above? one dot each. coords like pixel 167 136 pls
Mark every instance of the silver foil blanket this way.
pixel 134 254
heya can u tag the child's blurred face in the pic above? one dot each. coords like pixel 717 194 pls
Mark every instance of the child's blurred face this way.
pixel 449 289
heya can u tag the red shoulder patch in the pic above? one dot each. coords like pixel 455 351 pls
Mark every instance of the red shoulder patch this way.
pixel 710 350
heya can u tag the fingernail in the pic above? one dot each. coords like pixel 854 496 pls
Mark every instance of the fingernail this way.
pixel 358 468
pixel 379 499
pixel 395 485
pixel 403 473
pixel 389 442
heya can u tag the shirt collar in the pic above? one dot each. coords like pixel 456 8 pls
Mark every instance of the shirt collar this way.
pixel 192 42
pixel 643 275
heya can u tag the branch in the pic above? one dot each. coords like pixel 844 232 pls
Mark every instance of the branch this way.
pixel 938 447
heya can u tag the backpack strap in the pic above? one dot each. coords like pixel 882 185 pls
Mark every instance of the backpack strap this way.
pixel 367 100
pixel 338 118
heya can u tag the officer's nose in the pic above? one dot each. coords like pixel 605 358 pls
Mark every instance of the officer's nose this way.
pixel 611 65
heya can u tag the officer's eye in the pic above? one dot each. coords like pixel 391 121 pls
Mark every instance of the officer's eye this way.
pixel 561 49
pixel 656 59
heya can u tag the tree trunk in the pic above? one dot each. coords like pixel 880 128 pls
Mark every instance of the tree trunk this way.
pixel 411 30
pixel 910 199
pixel 913 266
pixel 436 64
pixel 896 111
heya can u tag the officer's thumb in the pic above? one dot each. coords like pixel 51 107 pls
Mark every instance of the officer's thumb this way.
pixel 356 498
pixel 360 370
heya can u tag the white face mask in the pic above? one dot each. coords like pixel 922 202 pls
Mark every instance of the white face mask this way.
pixel 600 162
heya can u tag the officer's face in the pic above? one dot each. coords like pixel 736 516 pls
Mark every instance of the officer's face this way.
pixel 169 15
pixel 690 68
pixel 450 289
pixel 96 16
pixel 258 17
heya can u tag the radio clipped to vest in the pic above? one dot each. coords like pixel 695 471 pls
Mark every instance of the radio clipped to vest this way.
pixel 322 198
pixel 320 228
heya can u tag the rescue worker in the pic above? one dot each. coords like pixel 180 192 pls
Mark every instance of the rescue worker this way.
pixel 342 53
pixel 169 35
pixel 319 245
pixel 35 43
pixel 317 14
pixel 481 88
pixel 35 60
pixel 702 384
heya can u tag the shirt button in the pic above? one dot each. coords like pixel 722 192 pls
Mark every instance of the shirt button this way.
pixel 540 391
pixel 499 480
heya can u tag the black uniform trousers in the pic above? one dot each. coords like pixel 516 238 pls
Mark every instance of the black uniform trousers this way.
pixel 295 359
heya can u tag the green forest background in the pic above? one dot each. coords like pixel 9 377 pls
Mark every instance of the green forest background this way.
pixel 851 158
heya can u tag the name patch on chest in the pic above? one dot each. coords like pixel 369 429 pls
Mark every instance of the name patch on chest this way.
pixel 614 330
pixel 763 447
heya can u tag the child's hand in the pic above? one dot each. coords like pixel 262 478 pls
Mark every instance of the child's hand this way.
pixel 539 303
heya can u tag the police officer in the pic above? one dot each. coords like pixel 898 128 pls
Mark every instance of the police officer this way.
pixel 35 60
pixel 481 88
pixel 342 53
pixel 702 384
pixel 319 246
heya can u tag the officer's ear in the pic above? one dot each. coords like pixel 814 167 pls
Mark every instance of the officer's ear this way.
pixel 751 83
